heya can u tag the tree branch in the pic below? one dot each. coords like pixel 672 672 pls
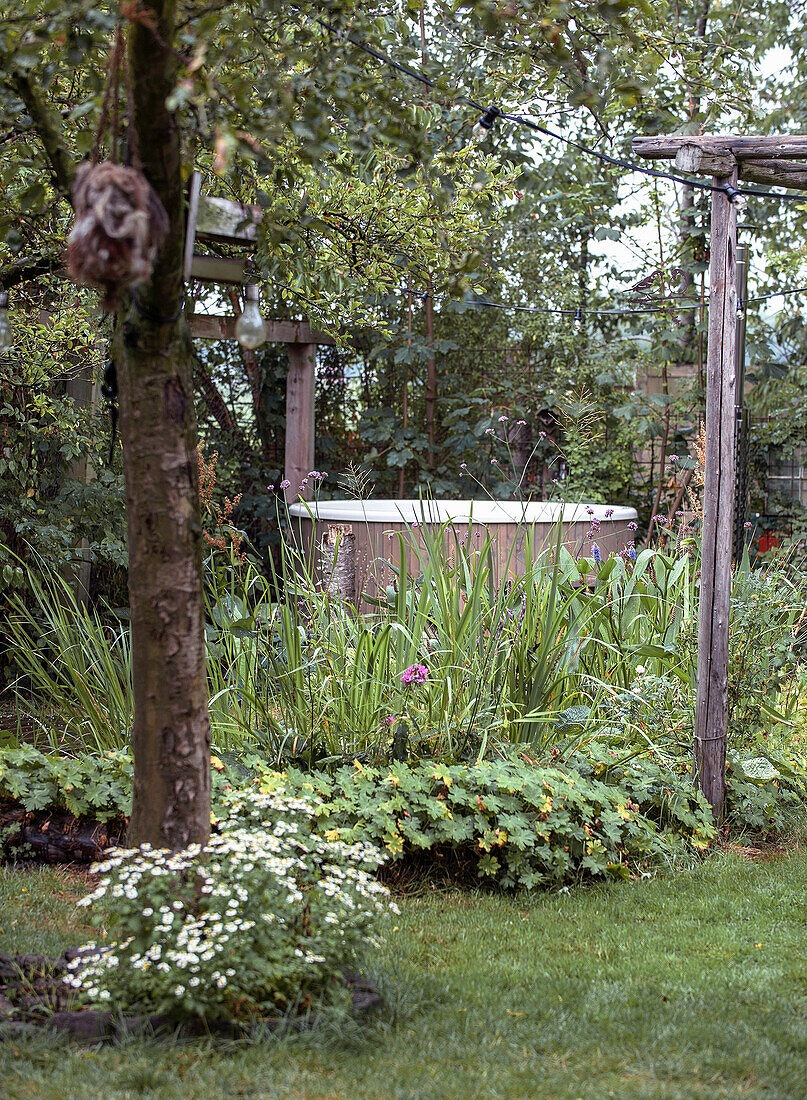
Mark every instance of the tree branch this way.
pixel 25 271
pixel 48 126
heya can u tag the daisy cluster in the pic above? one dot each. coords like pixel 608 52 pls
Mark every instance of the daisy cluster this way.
pixel 264 915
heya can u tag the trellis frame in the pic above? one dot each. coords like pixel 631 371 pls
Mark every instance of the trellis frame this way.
pixel 223 222
pixel 775 161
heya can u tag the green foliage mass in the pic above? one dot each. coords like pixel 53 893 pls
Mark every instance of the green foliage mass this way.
pixel 513 823
pixel 266 918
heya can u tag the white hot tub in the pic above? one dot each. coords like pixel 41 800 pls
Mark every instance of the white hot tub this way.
pixel 374 524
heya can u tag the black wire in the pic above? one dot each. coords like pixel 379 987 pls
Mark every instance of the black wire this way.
pixel 683 306
pixel 423 295
pixel 778 294
pixel 494 112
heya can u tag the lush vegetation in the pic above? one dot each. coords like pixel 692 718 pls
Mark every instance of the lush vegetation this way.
pixel 544 661
pixel 675 987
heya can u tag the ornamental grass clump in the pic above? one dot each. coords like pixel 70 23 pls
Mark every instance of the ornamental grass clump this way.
pixel 259 922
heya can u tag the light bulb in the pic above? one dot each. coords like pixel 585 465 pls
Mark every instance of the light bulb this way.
pixel 250 328
pixel 735 197
pixel 6 334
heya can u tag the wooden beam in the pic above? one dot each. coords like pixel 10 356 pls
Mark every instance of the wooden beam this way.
pixel 694 158
pixel 299 456
pixel 711 705
pixel 205 326
pixel 665 146
pixel 775 173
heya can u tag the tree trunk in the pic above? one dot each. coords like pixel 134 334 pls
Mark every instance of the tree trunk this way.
pixel 171 732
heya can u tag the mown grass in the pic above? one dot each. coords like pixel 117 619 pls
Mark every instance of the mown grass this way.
pixel 693 985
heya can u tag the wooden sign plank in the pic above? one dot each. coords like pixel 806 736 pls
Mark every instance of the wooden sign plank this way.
pixel 226 222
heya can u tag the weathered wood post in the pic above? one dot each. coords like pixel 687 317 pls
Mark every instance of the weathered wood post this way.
pixel 725 158
pixel 300 437
pixel 711 706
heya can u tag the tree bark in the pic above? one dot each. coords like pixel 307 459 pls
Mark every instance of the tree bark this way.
pixel 171 731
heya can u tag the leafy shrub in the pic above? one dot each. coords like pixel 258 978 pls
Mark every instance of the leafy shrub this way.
pixel 264 919
pixel 509 822
pixel 764 793
pixel 87 786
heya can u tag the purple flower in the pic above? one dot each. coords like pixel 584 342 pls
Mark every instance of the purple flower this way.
pixel 673 458
pixel 490 431
pixel 522 423
pixel 632 552
pixel 494 462
pixel 503 418
pixel 463 465
pixel 595 553
pixel 633 526
pixel 542 435
pixel 285 484
pixel 747 524
pixel 590 511
pixel 415 674
pixel 388 721
pixel 608 513
pixel 270 488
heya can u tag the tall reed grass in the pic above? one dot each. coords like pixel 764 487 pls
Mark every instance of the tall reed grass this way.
pixel 530 659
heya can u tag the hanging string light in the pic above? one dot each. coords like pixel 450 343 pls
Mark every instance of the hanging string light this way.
pixel 250 328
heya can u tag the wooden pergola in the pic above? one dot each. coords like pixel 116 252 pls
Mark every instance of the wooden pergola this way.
pixel 222 222
pixel 728 159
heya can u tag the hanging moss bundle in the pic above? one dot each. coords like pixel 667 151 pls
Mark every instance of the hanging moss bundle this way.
pixel 119 229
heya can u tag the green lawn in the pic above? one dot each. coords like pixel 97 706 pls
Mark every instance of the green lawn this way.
pixel 691 985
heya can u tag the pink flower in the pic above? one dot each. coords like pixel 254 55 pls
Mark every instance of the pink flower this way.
pixel 415 674
pixel 285 484
pixel 503 418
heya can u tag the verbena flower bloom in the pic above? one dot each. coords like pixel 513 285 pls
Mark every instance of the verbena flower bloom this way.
pixel 415 674
pixel 285 483
pixel 633 526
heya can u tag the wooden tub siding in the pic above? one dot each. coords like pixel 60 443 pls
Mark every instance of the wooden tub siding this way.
pixel 376 543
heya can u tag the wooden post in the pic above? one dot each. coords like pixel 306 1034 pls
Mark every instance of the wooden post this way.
pixel 771 160
pixel 299 459
pixel 711 707
pixel 741 431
